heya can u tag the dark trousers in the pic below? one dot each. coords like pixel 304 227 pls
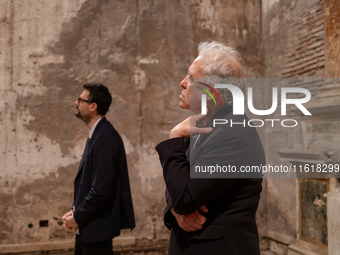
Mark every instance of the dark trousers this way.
pixel 97 248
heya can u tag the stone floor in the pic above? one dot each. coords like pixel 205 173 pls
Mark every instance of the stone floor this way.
pixel 268 253
pixel 70 252
pixel 158 249
pixel 150 252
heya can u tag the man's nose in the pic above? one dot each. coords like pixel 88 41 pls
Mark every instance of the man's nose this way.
pixel 184 82
pixel 76 102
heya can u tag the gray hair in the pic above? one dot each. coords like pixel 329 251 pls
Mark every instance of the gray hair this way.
pixel 223 65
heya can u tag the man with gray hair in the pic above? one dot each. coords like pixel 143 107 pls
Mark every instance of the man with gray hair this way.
pixel 211 215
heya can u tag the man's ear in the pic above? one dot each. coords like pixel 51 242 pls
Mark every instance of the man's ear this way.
pixel 210 101
pixel 93 107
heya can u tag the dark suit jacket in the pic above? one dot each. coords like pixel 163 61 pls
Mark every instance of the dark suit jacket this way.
pixel 102 197
pixel 230 227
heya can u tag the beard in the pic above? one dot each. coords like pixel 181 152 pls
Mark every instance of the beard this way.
pixel 85 118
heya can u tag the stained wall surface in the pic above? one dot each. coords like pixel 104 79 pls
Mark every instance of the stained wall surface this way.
pixel 140 49
pixel 300 39
pixel 290 28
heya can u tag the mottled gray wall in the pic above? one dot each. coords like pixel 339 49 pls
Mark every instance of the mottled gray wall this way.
pixel 140 49
pixel 294 42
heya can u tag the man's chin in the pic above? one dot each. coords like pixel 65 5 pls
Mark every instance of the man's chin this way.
pixel 183 106
pixel 86 119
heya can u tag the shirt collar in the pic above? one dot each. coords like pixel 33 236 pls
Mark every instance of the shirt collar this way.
pixel 94 127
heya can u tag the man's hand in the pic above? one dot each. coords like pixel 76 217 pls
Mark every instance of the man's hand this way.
pixel 69 221
pixel 189 127
pixel 191 222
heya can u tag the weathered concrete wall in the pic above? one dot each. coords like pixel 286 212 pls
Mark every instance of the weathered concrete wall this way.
pixel 300 39
pixel 140 49
pixel 332 38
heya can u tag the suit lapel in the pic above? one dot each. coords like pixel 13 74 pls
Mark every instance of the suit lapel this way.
pixel 84 153
pixel 83 157
pixel 98 127
pixel 197 144
pixel 88 146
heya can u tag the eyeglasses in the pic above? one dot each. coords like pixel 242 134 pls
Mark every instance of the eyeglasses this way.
pixel 80 99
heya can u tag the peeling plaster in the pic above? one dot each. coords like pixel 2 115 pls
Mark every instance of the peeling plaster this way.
pixel 139 78
pixel 207 15
pixel 268 4
pixel 318 202
pixel 127 145
pixel 274 25
pixel 148 61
